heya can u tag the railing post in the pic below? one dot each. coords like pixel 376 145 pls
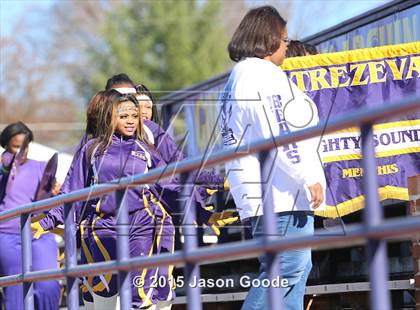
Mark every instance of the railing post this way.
pixel 270 231
pixel 123 250
pixel 70 252
pixel 26 233
pixel 373 215
pixel 191 270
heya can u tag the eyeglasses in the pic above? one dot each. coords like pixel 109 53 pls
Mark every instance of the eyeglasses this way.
pixel 287 41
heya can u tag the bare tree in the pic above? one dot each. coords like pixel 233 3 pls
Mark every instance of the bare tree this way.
pixel 30 88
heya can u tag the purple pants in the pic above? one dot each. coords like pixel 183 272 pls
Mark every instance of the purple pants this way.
pixel 44 256
pixel 151 232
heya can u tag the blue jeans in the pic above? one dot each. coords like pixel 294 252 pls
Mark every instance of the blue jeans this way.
pixel 295 265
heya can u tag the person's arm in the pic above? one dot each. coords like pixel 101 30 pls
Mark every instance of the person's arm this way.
pixel 170 152
pixel 209 179
pixel 77 178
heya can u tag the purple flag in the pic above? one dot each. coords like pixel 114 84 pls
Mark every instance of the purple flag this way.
pixel 342 82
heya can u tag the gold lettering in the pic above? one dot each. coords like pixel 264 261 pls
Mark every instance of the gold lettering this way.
pixel 389 31
pixel 413 66
pixel 358 42
pixel 381 170
pixel 394 168
pixel 371 35
pixel 382 35
pixel 397 72
pixel 376 67
pixel 346 173
pixel 408 35
pixel 397 31
pixel 318 80
pixel 336 73
pixel 358 172
pixel 346 45
pixel 298 75
pixel 360 68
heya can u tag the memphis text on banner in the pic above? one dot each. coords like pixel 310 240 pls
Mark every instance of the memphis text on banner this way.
pixel 346 81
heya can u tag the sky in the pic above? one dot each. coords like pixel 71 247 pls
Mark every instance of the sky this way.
pixel 307 17
pixel 333 12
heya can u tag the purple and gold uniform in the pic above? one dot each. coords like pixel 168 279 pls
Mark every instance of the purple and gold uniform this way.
pixel 150 226
pixel 168 152
pixel 22 189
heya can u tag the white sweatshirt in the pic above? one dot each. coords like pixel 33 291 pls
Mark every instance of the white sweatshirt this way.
pixel 259 101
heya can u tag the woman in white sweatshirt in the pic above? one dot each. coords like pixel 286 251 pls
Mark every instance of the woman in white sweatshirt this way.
pixel 259 101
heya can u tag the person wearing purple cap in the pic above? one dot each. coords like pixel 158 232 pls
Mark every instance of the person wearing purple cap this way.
pixel 20 180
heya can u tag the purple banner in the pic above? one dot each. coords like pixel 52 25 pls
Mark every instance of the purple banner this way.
pixel 346 81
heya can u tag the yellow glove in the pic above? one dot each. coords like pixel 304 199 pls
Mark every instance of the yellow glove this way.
pixel 210 192
pixel 221 219
pixel 38 230
pixel 225 188
pixel 209 207
pixel 226 185
pixel 61 260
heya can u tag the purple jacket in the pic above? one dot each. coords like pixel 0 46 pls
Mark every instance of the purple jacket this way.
pixel 21 191
pixel 123 158
pixel 170 153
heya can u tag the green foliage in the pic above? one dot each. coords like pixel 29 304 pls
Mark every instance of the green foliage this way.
pixel 166 45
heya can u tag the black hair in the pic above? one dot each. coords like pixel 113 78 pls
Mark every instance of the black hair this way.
pixel 143 90
pixel 295 49
pixel 311 49
pixel 121 78
pixel 12 130
pixel 258 34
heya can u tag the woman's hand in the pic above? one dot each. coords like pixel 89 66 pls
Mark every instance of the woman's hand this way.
pixel 317 195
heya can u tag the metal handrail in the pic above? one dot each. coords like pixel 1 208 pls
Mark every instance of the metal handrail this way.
pixel 229 252
pixel 374 229
pixel 353 119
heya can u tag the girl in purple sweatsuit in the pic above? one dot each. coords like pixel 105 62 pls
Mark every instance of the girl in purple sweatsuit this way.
pixel 120 150
pixel 21 183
